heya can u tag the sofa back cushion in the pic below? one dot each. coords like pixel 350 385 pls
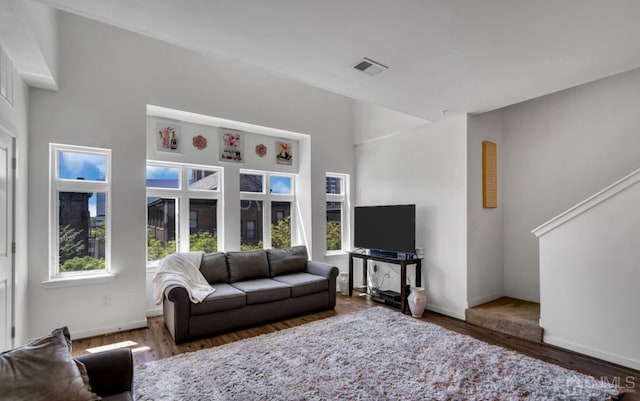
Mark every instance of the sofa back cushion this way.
pixel 287 260
pixel 247 265
pixel 214 268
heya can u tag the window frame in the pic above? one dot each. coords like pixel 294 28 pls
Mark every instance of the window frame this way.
pixel 58 185
pixel 266 196
pixel 182 195
pixel 343 199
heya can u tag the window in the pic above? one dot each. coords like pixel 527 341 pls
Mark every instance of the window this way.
pixel 251 229
pixel 80 215
pixel 203 231
pixel 207 180
pixel 175 190
pixel 163 177
pixel 161 227
pixel 335 188
pixel 193 219
pixel 252 183
pixel 280 224
pixel 265 201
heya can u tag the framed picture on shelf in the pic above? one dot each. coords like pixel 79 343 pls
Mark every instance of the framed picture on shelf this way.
pixel 231 146
pixel 168 138
pixel 284 153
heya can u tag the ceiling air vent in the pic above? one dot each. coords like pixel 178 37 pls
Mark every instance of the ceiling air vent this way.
pixel 370 67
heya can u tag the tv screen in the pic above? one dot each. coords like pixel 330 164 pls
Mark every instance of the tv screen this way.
pixel 386 228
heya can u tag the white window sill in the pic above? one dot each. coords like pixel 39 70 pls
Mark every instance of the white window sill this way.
pixel 336 253
pixel 79 280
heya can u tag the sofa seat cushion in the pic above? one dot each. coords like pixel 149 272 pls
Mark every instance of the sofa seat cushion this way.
pixel 263 290
pixel 304 283
pixel 224 297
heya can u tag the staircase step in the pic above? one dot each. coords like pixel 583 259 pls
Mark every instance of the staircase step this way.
pixel 510 316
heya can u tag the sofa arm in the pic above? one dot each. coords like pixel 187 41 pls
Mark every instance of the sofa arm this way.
pixel 110 372
pixel 176 309
pixel 322 269
pixel 177 293
pixel 327 271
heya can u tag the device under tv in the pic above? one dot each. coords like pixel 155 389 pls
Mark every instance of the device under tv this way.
pixel 391 254
pixel 387 231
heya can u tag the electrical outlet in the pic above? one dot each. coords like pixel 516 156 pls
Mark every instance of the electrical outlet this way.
pixel 106 300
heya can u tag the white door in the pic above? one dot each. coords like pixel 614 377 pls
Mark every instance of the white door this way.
pixel 6 240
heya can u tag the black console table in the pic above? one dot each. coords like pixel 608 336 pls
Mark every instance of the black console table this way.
pixel 403 272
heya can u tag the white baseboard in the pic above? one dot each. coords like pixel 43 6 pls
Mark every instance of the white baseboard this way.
pixel 484 300
pixel 522 296
pixel 154 312
pixel 445 311
pixel 594 352
pixel 138 324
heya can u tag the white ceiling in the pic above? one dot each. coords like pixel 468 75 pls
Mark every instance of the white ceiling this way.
pixel 456 55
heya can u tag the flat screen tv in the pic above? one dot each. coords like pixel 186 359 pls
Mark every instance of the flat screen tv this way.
pixel 385 228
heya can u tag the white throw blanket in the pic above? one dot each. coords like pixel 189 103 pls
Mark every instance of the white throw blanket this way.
pixel 181 269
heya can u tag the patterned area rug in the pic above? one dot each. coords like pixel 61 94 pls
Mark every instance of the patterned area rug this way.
pixel 375 354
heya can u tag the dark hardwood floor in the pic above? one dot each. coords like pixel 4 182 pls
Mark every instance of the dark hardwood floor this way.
pixel 155 343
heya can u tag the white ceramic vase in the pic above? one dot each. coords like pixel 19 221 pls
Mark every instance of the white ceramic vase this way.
pixel 417 301
pixel 343 283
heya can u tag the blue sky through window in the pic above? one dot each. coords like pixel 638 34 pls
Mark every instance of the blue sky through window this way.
pixel 87 167
pixel 77 165
pixel 280 185
pixel 163 177
pixel 93 205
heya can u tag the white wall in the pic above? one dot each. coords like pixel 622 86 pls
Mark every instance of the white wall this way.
pixel 425 166
pixel 29 33
pixel 371 121
pixel 589 275
pixel 484 230
pixel 107 78
pixel 13 119
pixel 558 150
pixel 43 22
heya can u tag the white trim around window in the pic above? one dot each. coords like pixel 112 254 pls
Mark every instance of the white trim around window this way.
pixel 182 194
pixel 79 161
pixel 339 193
pixel 267 196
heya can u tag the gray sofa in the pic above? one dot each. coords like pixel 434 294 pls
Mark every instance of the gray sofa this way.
pixel 251 288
